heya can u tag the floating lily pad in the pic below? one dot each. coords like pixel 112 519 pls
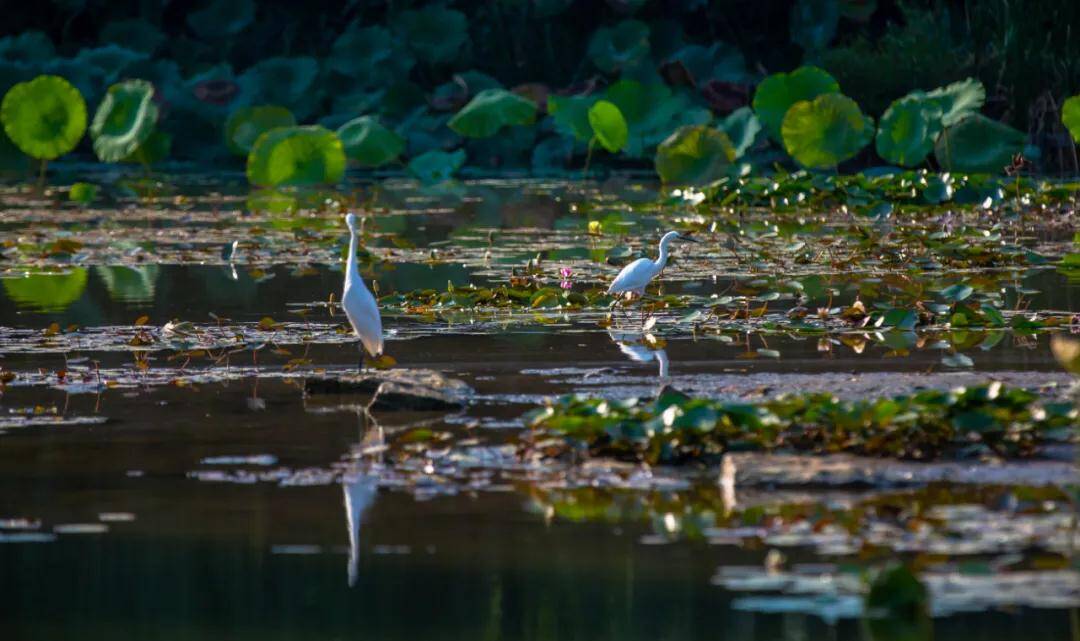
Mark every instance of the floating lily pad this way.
pixel 490 111
pixel 777 93
pixel 47 292
pixel 221 19
pixel 614 48
pixel 1070 116
pixel 978 144
pixel 369 143
pixel 45 117
pixel 435 34
pixel 695 154
pixel 246 124
pixel 608 125
pixel 309 155
pixel 908 129
pixel 826 131
pixel 124 120
pixel 435 167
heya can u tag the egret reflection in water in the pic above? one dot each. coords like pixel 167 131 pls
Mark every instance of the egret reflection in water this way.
pixel 361 487
pixel 637 348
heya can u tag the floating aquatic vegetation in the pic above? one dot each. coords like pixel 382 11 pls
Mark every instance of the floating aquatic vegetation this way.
pixel 987 419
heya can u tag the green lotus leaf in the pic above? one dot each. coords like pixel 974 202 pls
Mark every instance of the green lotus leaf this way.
pixel 83 193
pixel 369 143
pixel 424 131
pixel 434 34
pixel 435 167
pixel 694 155
pixel 742 127
pixel 908 129
pixel 959 100
pixel 45 117
pixel 222 19
pixel 246 124
pixel 129 284
pixel 551 155
pixel 1070 116
pixel 608 125
pixel 721 61
pixel 153 150
pixel 978 144
pixel 124 120
pixel 571 115
pixel 281 81
pixel 652 111
pixel 490 111
pixel 614 48
pixel 136 34
pixel 47 292
pixel 826 131
pixel 28 47
pixel 776 94
pixel 112 60
pixel 309 155
pixel 371 56
pixel 813 23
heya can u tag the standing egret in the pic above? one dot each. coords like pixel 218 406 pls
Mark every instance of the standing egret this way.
pixel 637 275
pixel 360 306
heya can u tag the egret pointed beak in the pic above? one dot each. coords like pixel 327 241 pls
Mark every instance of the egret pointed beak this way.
pixel 689 239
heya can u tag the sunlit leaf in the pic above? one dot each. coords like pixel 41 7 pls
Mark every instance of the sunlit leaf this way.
pixel 959 100
pixel 1070 116
pixel 608 125
pixel 124 120
pixel 908 129
pixel 369 143
pixel 133 284
pixel 826 131
pixel 978 144
pixel 777 93
pixel 742 127
pixel 491 110
pixel 694 155
pixel 45 117
pixel 246 124
pixel 306 155
pixel 46 292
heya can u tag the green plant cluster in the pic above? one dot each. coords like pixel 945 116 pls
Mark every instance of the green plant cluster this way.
pixel 678 428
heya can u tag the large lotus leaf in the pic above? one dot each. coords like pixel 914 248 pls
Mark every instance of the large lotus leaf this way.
pixel 370 56
pixel 112 60
pixel 136 34
pixel 369 143
pixel 129 284
pixel 435 34
pixel 614 48
pixel 551 155
pixel 571 115
pixel 221 19
pixel 281 81
pixel 826 131
pixel 652 111
pixel 608 125
pixel 27 48
pixel 308 155
pixel 435 167
pixel 246 124
pixel 124 120
pixel 775 95
pixel 721 62
pixel 45 117
pixel 1070 116
pixel 153 150
pixel 813 23
pixel 694 155
pixel 490 111
pixel 959 100
pixel 47 292
pixel 978 144
pixel 908 129
pixel 742 127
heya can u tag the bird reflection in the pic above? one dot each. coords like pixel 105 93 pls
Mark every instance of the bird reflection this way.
pixel 639 348
pixel 362 486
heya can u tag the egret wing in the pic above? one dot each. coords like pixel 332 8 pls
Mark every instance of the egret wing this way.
pixel 633 277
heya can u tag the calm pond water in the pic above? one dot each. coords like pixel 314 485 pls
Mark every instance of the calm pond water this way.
pixel 156 522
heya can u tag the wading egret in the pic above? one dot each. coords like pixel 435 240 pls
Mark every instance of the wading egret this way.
pixel 360 306
pixel 637 275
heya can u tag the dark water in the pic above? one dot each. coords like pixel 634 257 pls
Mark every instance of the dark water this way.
pixel 183 558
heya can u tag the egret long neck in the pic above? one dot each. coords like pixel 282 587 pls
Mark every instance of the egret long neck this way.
pixel 352 273
pixel 661 260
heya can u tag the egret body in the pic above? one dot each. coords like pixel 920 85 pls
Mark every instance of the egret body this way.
pixel 360 306
pixel 637 275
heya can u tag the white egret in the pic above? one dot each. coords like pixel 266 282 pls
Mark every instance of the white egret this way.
pixel 360 306
pixel 635 277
